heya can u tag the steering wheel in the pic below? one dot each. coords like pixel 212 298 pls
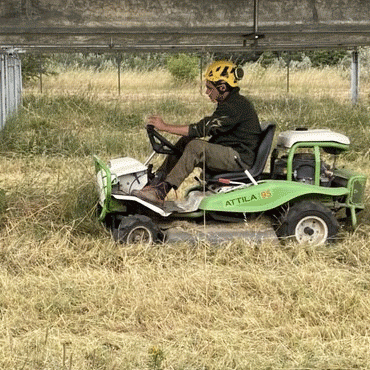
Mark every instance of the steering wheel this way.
pixel 160 144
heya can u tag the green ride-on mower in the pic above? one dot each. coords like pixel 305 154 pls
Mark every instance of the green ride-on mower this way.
pixel 307 195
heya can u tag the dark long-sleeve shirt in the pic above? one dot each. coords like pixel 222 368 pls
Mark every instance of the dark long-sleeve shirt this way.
pixel 235 124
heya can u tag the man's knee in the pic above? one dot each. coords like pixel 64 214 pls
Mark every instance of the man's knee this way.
pixel 195 146
pixel 183 142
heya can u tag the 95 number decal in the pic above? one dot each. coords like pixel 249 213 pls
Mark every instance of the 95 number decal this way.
pixel 266 194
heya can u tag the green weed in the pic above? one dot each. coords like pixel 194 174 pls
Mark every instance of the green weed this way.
pixel 156 357
pixel 183 67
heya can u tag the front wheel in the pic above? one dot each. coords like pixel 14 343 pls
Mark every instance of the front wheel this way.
pixel 308 222
pixel 138 229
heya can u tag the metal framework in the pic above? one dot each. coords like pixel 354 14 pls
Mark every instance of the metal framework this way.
pixel 43 26
pixel 192 25
pixel 203 40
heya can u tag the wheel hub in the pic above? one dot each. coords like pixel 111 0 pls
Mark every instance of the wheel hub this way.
pixel 311 230
pixel 140 234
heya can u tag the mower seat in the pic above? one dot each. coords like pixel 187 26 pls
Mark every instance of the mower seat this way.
pixel 267 136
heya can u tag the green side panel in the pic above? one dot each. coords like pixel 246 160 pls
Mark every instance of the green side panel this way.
pixel 265 196
pixel 358 191
pixel 355 183
pixel 356 187
pixel 104 182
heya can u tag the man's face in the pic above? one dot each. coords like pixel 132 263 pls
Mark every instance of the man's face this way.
pixel 212 92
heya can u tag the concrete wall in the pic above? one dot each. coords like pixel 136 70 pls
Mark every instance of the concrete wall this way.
pixel 176 13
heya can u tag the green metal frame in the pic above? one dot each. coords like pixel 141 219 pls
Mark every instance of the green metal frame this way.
pixel 316 146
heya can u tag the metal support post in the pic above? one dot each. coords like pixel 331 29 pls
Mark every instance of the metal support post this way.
pixel 10 85
pixel 2 91
pixel 355 77
pixel 201 74
pixel 255 22
pixel 40 74
pixel 119 61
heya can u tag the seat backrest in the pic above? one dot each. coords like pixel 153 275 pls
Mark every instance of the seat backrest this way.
pixel 264 148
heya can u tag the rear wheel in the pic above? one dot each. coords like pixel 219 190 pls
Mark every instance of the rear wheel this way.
pixel 309 222
pixel 138 229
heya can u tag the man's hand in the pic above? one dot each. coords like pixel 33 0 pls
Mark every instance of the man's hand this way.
pixel 158 123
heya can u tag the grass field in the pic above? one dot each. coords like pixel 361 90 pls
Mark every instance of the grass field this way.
pixel 70 298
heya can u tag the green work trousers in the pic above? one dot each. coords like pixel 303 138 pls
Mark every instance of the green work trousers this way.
pixel 198 153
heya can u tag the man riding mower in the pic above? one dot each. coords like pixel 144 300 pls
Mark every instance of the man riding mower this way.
pixel 233 128
pixel 309 195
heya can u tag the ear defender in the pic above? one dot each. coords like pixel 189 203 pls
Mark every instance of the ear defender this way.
pixel 238 73
pixel 221 88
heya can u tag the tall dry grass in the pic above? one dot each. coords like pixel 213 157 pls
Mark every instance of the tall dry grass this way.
pixel 259 81
pixel 70 298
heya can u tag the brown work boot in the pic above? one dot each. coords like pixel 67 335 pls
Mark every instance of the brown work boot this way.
pixel 154 194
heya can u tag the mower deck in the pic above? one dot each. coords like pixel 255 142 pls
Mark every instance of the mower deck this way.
pixel 217 234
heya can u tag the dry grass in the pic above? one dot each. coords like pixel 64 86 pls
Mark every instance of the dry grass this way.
pixel 316 83
pixel 259 81
pixel 70 298
pixel 234 307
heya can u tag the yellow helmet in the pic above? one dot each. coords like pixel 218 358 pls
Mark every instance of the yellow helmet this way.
pixel 226 71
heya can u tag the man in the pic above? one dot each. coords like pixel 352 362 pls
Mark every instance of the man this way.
pixel 233 128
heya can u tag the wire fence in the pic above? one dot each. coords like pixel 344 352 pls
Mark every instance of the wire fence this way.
pixel 10 86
